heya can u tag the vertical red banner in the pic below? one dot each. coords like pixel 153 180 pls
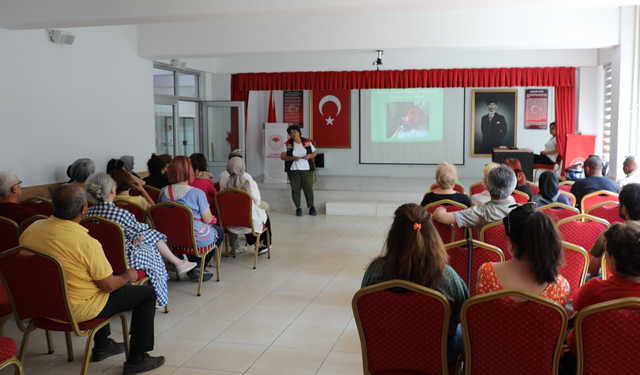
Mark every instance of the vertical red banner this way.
pixel 536 104
pixel 293 108
pixel 330 118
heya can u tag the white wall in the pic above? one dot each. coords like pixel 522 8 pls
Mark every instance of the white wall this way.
pixel 59 103
pixel 589 98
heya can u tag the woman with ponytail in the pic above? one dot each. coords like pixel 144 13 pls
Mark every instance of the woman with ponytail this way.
pixel 144 246
pixel 536 249
pixel 522 185
pixel 413 251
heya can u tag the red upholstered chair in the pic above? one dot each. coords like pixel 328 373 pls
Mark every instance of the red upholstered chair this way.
pixel 40 205
pixel 448 233
pixel 597 197
pixel 504 337
pixel 477 188
pixel 520 197
pixel 545 167
pixel 154 193
pixel 135 209
pixel 402 333
pixel 45 299
pixel 566 185
pixel 603 266
pixel 558 211
pixel 26 223
pixel 571 196
pixel 534 188
pixel 582 230
pixel 9 234
pixel 608 337
pixel 176 222
pixel 607 211
pixel 574 269
pixel 235 209
pixel 494 234
pixel 8 353
pixel 457 187
pixel 459 260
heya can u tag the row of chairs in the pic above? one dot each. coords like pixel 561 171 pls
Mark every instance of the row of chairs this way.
pixel 402 333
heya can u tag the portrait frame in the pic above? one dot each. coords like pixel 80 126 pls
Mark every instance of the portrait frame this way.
pixel 505 121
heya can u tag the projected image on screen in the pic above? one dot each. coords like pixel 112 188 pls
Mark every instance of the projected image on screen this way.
pixel 406 115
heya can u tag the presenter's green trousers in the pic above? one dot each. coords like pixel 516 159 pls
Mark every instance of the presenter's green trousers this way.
pixel 301 180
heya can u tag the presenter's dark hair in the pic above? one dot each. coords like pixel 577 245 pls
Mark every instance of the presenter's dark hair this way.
pixel 536 240
pixel 293 127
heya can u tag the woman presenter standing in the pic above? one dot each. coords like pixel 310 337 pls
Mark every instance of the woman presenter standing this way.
pixel 299 166
pixel 550 153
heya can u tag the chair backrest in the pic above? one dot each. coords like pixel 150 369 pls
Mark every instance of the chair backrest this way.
pixel 534 188
pixel 45 296
pixel 134 208
pixel 504 337
pixel 574 269
pixel 520 197
pixel 111 237
pixel 603 267
pixel 154 193
pixel 571 196
pixel 40 205
pixel 582 230
pixel 457 187
pixel 448 233
pixel 459 260
pixel 608 337
pixel 9 234
pixel 607 211
pixel 594 198
pixel 402 331
pixel 176 222
pixel 494 234
pixel 235 209
pixel 26 223
pixel 566 188
pixel 477 188
pixel 558 211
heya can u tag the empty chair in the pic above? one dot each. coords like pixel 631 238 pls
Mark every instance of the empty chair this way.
pixel 481 253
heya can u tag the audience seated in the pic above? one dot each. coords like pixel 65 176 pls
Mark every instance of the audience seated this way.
pixel 80 170
pixel 127 161
pixel 179 172
pixel 157 168
pixel 235 167
pixel 522 186
pixel 550 191
pixel 484 197
pixel 166 158
pixel 629 167
pixel 536 248
pixel 203 184
pixel 593 181
pixel 629 210
pixel 622 242
pixel 10 193
pixel 203 171
pixel 125 183
pixel 225 175
pixel 446 175
pixel 500 183
pixel 119 164
pixel 94 291
pixel 413 251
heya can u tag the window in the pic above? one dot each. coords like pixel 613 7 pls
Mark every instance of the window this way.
pixel 606 137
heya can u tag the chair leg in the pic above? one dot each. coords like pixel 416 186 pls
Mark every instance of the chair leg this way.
pixel 49 341
pixel 226 246
pixel 166 309
pixel 233 245
pixel 268 245
pixel 23 346
pixel 19 370
pixel 201 275
pixel 67 336
pixel 218 260
pixel 255 257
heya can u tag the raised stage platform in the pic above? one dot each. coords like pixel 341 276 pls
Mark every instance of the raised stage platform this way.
pixel 359 196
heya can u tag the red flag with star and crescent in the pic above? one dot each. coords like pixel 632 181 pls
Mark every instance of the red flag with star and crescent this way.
pixel 331 118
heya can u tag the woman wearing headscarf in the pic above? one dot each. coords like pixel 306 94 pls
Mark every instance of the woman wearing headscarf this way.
pixel 550 191
pixel 236 179
pixel 127 160
pixel 522 186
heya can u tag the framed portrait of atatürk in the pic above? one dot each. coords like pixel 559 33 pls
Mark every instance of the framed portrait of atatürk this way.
pixel 493 120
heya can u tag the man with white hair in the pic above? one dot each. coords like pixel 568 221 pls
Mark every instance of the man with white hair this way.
pixel 10 193
pixel 500 182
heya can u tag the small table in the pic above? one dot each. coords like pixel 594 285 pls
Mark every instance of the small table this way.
pixel 524 155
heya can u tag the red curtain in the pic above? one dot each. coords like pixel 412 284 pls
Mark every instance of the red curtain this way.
pixel 562 78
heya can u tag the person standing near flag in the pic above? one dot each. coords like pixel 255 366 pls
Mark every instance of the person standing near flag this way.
pixel 298 163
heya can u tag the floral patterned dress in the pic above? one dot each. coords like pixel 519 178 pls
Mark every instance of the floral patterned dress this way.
pixel 557 291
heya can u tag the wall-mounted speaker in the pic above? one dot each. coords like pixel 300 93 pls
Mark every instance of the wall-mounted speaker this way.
pixel 61 37
pixel 176 63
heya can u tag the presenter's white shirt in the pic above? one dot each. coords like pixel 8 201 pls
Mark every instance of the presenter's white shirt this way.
pixel 551 146
pixel 301 152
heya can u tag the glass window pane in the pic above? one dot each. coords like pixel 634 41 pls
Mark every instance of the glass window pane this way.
pixel 164 129
pixel 221 123
pixel 187 129
pixel 188 85
pixel 163 82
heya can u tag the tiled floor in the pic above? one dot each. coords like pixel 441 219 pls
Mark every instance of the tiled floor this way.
pixel 290 316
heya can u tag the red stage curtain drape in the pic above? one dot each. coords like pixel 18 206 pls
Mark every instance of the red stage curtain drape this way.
pixel 563 79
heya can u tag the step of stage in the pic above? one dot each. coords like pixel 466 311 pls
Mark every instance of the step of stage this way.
pixel 351 208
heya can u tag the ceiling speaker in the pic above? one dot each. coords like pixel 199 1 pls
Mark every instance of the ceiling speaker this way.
pixel 62 37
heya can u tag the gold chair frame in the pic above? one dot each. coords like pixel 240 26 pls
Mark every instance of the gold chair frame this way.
pixel 599 192
pixel 451 203
pixel 559 205
pixel 517 192
pixel 480 244
pixel 473 185
pixel 31 220
pixel 584 253
pixel 583 217
pixel 15 362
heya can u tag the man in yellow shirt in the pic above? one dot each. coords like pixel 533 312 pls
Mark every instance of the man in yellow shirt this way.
pixel 94 291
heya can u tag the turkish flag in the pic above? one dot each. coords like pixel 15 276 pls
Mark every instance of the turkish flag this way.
pixel 331 118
